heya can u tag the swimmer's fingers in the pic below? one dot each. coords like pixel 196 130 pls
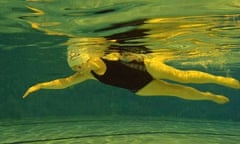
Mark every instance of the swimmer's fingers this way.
pixel 31 90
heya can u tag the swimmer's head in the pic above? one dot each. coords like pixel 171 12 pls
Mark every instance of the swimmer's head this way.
pixel 81 49
pixel 76 57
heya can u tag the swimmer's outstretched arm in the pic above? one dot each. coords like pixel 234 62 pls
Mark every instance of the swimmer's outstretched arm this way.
pixel 94 64
pixel 58 83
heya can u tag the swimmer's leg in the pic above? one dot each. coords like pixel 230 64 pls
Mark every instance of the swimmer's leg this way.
pixel 159 70
pixel 162 88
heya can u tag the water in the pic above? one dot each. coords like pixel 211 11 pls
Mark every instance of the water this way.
pixel 123 130
pixel 204 35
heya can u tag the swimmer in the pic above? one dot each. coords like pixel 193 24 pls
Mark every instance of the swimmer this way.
pixel 143 74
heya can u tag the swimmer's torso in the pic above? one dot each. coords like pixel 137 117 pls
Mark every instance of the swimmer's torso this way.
pixel 131 75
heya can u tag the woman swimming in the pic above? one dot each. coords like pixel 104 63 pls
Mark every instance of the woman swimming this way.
pixel 143 74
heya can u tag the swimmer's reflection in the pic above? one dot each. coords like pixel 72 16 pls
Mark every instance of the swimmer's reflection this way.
pixel 142 73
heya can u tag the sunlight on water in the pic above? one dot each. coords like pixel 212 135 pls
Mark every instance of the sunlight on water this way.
pixel 198 32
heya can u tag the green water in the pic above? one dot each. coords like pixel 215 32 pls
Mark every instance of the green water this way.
pixel 33 35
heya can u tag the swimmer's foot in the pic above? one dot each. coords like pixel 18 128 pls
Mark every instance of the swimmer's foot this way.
pixel 229 82
pixel 219 99
pixel 235 83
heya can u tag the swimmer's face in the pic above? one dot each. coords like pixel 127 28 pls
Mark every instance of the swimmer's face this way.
pixel 76 60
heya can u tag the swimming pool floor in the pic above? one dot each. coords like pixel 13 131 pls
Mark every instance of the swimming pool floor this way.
pixel 118 130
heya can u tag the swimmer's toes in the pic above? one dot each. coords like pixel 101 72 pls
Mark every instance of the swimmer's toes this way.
pixel 221 99
pixel 235 83
pixel 238 85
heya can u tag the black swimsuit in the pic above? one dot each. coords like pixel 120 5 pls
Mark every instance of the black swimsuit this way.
pixel 131 75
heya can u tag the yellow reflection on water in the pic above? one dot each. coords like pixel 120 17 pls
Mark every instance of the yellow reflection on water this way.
pixel 202 39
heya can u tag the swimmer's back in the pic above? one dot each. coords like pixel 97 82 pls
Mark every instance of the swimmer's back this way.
pixel 132 75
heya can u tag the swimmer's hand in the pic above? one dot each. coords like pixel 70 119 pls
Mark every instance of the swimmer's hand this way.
pixel 58 83
pixel 32 89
